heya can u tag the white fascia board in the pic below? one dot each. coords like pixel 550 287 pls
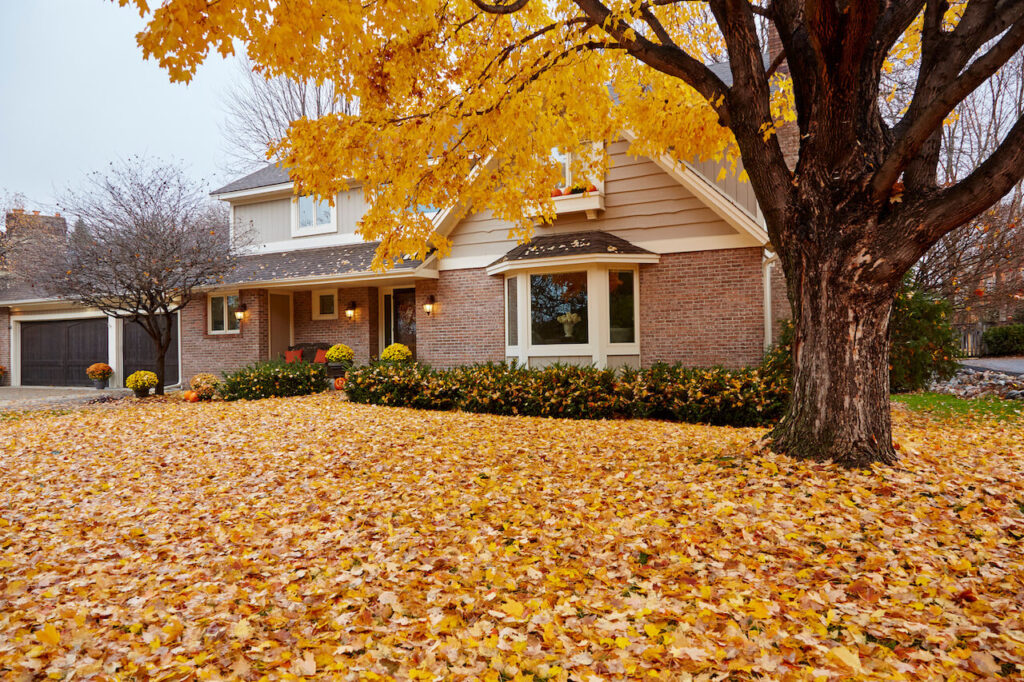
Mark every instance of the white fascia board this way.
pixel 367 275
pixel 724 206
pixel 255 191
pixel 581 259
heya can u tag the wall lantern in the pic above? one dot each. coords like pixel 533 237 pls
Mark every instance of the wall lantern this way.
pixel 240 312
pixel 350 311
pixel 428 307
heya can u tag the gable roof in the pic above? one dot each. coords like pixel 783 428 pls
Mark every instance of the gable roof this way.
pixel 269 175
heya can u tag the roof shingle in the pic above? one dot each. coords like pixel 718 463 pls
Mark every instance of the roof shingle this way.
pixel 300 264
pixel 271 174
pixel 571 244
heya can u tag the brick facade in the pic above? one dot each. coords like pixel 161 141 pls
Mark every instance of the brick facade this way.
pixel 781 309
pixel 5 345
pixel 360 333
pixel 703 308
pixel 216 353
pixel 468 324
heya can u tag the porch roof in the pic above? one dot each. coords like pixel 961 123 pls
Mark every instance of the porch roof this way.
pixel 349 261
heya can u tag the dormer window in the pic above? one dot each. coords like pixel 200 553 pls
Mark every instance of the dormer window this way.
pixel 312 216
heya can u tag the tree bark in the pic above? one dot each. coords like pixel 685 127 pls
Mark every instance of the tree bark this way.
pixel 839 409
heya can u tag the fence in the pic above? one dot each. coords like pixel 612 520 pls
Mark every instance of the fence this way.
pixel 971 343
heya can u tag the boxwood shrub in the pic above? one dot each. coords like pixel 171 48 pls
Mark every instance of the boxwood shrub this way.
pixel 1005 340
pixel 715 396
pixel 273 379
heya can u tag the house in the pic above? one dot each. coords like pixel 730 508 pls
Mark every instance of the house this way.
pixel 665 262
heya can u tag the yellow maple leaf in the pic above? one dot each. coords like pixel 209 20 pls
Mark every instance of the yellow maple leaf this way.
pixel 848 658
pixel 48 634
pixel 513 608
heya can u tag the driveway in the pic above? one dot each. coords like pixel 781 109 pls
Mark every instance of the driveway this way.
pixel 1008 365
pixel 43 397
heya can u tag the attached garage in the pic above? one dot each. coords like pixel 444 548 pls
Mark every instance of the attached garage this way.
pixel 137 348
pixel 57 353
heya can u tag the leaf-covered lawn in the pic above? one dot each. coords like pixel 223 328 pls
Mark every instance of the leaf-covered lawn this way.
pixel 310 537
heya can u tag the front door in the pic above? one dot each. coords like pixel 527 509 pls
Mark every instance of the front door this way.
pixel 400 318
pixel 280 324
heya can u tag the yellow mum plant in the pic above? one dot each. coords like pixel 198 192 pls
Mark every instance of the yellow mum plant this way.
pixel 339 352
pixel 396 352
pixel 141 380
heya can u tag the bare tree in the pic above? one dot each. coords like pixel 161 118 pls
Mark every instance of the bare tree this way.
pixel 260 111
pixel 147 237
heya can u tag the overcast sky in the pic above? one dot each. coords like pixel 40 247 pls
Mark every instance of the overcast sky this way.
pixel 76 94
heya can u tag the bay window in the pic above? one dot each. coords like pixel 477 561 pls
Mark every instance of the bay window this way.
pixel 589 313
pixel 558 308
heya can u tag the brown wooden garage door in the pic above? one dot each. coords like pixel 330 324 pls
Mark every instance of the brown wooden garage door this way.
pixel 138 351
pixel 57 353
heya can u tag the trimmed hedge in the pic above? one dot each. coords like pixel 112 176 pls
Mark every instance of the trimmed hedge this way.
pixel 1005 340
pixel 273 379
pixel 712 396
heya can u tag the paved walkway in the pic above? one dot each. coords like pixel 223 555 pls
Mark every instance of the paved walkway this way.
pixel 1009 365
pixel 17 398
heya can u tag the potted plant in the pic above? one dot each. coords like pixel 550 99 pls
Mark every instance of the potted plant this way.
pixel 3 373
pixel 569 321
pixel 340 356
pixel 99 372
pixel 396 353
pixel 141 382
pixel 204 385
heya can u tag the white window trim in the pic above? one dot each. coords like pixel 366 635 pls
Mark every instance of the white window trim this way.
pixel 209 313
pixel 599 345
pixel 329 228
pixel 315 304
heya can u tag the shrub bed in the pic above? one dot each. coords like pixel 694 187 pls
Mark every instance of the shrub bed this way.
pixel 1005 340
pixel 745 397
pixel 273 379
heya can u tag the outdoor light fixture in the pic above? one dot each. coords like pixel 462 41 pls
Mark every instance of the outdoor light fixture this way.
pixel 428 307
pixel 350 311
pixel 240 313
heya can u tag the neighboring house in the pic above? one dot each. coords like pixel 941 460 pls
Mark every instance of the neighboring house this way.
pixel 662 264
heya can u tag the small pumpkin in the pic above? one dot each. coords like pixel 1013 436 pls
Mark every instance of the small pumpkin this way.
pixel 556 192
pixel 592 188
pixel 191 396
pixel 339 383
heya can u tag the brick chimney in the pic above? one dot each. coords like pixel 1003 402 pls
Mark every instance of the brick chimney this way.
pixel 17 220
pixel 789 134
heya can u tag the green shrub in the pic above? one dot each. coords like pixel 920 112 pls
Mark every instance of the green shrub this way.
pixel 923 347
pixel 273 379
pixel 715 396
pixel 1006 340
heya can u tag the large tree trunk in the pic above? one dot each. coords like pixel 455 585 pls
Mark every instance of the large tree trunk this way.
pixel 839 408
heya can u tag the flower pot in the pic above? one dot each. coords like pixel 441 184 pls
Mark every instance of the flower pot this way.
pixel 141 392
pixel 567 328
pixel 99 383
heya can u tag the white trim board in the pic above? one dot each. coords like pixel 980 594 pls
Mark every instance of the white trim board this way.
pixel 582 259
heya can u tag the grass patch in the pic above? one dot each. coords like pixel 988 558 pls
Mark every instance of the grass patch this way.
pixel 946 406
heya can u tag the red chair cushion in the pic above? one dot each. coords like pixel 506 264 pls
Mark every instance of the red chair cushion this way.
pixel 321 355
pixel 291 356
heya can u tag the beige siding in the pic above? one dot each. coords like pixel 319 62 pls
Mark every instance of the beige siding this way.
pixel 643 204
pixel 741 191
pixel 617 361
pixel 270 221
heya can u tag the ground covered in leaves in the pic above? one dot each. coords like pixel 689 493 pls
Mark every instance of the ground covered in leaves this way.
pixel 307 537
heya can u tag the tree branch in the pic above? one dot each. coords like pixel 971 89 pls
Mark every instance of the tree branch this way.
pixel 501 7
pixel 924 120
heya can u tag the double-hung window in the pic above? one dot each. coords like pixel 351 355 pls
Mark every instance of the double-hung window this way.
pixel 220 313
pixel 312 216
